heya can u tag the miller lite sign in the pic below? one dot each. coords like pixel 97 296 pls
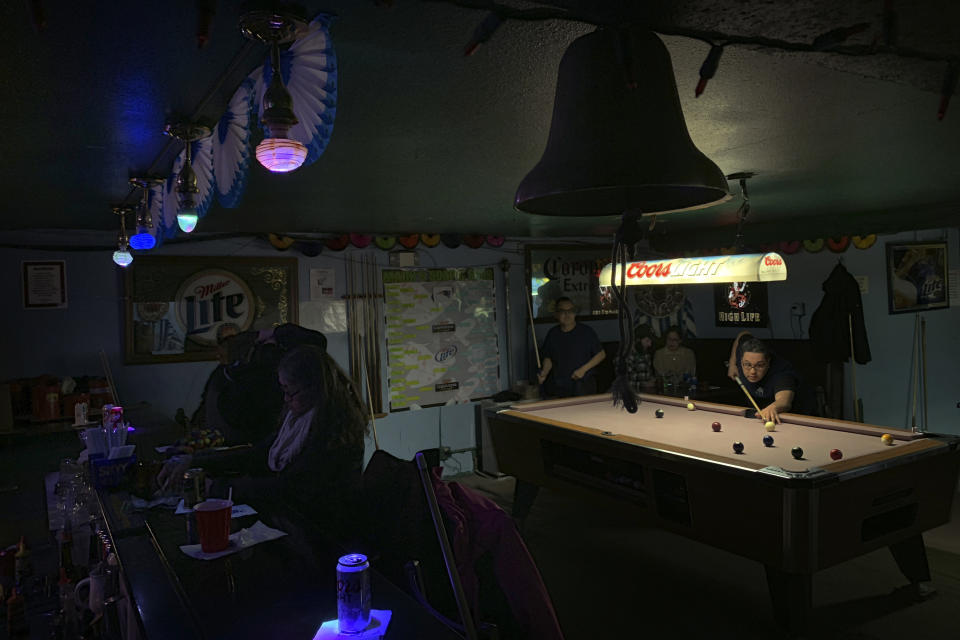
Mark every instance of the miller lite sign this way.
pixel 210 298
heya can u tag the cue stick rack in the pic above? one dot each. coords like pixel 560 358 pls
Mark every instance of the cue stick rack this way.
pixel 363 329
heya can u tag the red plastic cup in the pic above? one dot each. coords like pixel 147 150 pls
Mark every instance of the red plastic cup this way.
pixel 213 524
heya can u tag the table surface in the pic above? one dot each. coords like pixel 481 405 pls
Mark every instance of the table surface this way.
pixel 683 431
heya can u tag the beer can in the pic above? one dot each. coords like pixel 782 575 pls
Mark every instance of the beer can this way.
pixel 353 593
pixel 194 489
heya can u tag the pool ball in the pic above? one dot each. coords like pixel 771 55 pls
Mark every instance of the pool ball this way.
pixel 887 439
pixel 769 425
pixel 716 426
pixel 768 441
pixel 658 413
pixel 690 406
pixel 738 447
pixel 836 454
pixel 797 452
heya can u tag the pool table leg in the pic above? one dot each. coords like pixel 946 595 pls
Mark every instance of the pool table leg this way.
pixel 524 493
pixel 791 595
pixel 911 557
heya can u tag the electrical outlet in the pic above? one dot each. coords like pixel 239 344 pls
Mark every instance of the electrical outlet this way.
pixel 798 309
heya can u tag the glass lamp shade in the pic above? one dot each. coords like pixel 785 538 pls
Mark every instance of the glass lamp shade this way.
pixel 122 257
pixel 187 219
pixel 143 240
pixel 281 155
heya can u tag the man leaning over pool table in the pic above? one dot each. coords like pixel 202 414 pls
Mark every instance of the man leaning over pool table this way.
pixel 771 380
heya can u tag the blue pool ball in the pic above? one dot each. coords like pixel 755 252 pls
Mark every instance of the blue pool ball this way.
pixel 768 441
pixel 658 413
pixel 797 452
pixel 738 447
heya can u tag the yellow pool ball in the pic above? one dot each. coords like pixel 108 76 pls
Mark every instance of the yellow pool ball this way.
pixel 769 425
pixel 887 439
pixel 690 406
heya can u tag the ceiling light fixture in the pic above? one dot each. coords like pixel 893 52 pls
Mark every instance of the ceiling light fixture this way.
pixel 122 255
pixel 618 140
pixel 143 239
pixel 186 188
pixel 277 152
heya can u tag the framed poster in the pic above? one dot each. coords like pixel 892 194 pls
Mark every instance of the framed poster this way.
pixel 176 307
pixel 573 271
pixel 45 284
pixel 741 304
pixel 917 277
pixel 441 335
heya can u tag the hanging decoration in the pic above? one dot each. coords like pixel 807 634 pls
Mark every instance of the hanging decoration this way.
pixel 430 239
pixel 360 240
pixel 280 243
pixel 838 245
pixel 308 69
pixel 385 242
pixel 450 240
pixel 231 146
pixel 337 243
pixel 495 241
pixel 409 241
pixel 473 240
pixel 813 246
pixel 789 247
pixel 864 242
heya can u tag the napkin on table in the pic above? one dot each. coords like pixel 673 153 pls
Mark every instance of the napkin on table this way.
pixel 238 511
pixel 255 534
pixel 379 619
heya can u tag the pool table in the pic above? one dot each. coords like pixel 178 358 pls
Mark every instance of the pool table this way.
pixel 796 516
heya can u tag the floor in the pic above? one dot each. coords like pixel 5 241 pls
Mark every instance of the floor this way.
pixel 610 578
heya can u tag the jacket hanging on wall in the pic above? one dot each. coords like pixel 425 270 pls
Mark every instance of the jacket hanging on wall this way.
pixel 829 327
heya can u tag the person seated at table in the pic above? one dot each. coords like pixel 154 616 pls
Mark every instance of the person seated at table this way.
pixel 314 461
pixel 241 397
pixel 640 362
pixel 772 381
pixel 673 360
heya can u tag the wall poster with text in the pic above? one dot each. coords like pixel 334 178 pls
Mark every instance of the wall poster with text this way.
pixel 741 304
pixel 178 307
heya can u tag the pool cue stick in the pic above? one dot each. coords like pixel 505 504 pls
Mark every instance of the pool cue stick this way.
pixel 916 371
pixel 747 393
pixel 373 420
pixel 536 348
pixel 375 331
pixel 109 376
pixel 853 373
pixel 923 363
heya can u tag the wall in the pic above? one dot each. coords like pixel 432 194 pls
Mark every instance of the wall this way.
pixel 67 342
pixel 885 383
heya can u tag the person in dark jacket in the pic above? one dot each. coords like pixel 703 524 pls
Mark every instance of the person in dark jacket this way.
pixel 315 459
pixel 770 380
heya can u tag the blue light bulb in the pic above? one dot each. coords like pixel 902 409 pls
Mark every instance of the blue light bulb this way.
pixel 143 240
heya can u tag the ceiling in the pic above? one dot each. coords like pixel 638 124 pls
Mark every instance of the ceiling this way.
pixel 427 140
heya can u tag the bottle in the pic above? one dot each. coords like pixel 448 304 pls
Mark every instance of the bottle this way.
pixel 17 626
pixel 23 564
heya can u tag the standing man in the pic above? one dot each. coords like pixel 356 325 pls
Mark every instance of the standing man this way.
pixel 570 352
pixel 772 381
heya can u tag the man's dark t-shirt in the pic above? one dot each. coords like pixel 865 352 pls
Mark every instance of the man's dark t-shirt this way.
pixel 569 351
pixel 781 376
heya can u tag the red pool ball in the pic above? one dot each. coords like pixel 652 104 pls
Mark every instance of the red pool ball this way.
pixel 836 454
pixel 716 426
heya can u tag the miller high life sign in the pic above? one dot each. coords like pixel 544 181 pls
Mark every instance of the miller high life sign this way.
pixel 752 267
pixel 210 298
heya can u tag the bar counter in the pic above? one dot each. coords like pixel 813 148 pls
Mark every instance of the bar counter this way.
pixel 283 588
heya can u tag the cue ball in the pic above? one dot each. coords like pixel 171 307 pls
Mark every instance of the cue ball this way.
pixel 658 413
pixel 797 452
pixel 768 441
pixel 887 439
pixel 690 406
pixel 770 425
pixel 716 426
pixel 836 454
pixel 738 447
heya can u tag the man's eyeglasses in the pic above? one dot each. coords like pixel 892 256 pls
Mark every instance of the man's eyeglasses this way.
pixel 567 310
pixel 749 366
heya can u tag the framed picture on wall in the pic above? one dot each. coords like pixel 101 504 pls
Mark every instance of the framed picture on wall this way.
pixel 177 307
pixel 917 276
pixel 555 271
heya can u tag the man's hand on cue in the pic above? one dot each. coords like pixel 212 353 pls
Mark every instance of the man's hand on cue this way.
pixel 769 414
pixel 541 376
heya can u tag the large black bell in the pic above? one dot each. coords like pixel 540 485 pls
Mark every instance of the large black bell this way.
pixel 618 140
